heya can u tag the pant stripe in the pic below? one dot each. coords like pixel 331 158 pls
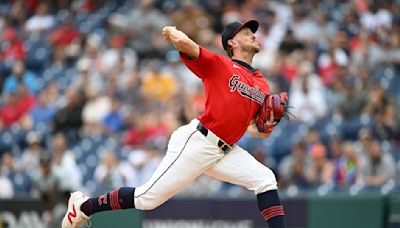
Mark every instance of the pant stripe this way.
pixel 187 140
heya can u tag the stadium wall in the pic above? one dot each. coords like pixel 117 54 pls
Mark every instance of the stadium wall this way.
pixel 334 210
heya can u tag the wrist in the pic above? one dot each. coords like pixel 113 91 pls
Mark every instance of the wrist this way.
pixel 177 34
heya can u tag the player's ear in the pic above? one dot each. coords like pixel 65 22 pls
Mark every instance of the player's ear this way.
pixel 232 43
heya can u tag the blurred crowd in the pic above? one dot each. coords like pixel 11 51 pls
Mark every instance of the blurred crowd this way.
pixel 90 93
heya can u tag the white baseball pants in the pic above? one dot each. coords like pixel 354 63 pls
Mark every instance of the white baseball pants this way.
pixel 191 154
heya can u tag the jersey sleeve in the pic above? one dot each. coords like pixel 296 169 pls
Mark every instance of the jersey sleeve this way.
pixel 205 65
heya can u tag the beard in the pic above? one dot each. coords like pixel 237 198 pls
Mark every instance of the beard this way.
pixel 256 49
pixel 252 47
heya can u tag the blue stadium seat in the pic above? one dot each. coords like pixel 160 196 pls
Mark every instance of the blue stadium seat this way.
pixel 91 161
pixel 86 145
pixel 38 53
pixel 90 185
pixel 84 170
pixel 77 153
pixel 21 183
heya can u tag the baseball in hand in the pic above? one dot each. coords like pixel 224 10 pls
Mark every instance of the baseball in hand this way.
pixel 166 32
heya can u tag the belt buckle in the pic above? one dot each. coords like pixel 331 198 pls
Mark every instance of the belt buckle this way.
pixel 224 147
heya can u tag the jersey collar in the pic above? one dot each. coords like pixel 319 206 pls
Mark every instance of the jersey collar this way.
pixel 250 68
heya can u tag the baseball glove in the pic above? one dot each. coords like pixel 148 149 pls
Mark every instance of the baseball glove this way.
pixel 278 104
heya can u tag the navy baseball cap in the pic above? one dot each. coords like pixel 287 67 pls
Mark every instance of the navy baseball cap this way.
pixel 232 28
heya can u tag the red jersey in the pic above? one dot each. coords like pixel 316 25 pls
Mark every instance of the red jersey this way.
pixel 234 93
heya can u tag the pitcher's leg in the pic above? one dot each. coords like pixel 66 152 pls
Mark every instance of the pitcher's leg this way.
pixel 240 168
pixel 185 160
pixel 187 157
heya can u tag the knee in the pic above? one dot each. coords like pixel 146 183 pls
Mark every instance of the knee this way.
pixel 149 206
pixel 146 204
pixel 268 183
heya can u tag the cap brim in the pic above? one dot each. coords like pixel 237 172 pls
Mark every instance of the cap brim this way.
pixel 252 25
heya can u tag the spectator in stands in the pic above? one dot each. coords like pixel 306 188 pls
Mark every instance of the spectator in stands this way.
pixel 87 78
pixel 97 106
pixel 261 155
pixel 46 184
pixel 8 166
pixel 41 21
pixel 290 65
pixel 146 127
pixel 312 138
pixel 43 113
pixel 169 121
pixel 6 187
pixel 132 86
pixel 347 168
pixel 56 97
pixel 321 170
pixel 87 6
pixel 294 167
pixel 108 174
pixel 26 100
pixel 10 112
pixel 327 28
pixel 20 74
pixel 143 23
pixel 17 106
pixel 31 155
pixel 135 170
pixel 374 18
pixel 19 12
pixel 187 19
pixel 184 77
pixel 193 104
pixel 336 95
pixel 137 133
pixel 304 26
pixel 392 51
pixel 355 101
pixel 364 138
pixel 158 86
pixel 92 48
pixel 384 127
pixel 62 57
pixel 335 147
pixel 334 62
pixel 368 53
pixel 118 57
pixel 70 116
pixel 290 44
pixel 377 100
pixel 65 34
pixel 64 163
pixel 307 94
pixel 272 36
pixel 277 80
pixel 45 180
pixel 114 120
pixel 377 167
pixel 12 48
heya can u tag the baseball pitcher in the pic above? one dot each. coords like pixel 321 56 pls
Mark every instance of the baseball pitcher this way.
pixel 238 99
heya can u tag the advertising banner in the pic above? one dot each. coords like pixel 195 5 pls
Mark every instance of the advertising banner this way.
pixel 22 214
pixel 176 213
pixel 219 213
